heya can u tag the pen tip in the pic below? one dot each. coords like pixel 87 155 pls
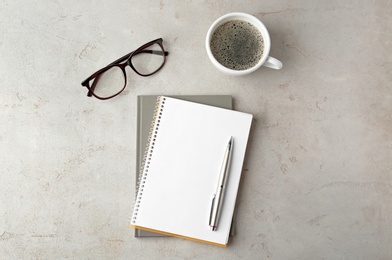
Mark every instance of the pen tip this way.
pixel 231 142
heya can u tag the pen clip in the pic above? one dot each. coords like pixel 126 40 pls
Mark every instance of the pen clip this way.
pixel 212 208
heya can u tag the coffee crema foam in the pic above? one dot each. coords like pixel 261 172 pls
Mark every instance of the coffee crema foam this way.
pixel 237 45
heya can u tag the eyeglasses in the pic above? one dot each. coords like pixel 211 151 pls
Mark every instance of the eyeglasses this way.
pixel 111 80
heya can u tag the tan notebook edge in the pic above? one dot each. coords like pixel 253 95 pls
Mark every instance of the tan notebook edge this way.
pixel 178 236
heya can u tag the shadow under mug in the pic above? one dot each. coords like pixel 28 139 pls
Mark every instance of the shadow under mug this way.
pixel 265 60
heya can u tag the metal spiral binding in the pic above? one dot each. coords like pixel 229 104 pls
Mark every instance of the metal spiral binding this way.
pixel 143 173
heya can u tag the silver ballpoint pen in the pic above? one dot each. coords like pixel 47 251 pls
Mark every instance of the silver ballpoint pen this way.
pixel 217 200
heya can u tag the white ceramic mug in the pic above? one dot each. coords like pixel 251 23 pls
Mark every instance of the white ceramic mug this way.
pixel 265 60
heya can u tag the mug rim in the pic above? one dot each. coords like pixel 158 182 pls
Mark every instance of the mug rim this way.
pixel 239 16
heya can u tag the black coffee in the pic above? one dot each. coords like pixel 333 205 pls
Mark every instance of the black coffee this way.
pixel 237 45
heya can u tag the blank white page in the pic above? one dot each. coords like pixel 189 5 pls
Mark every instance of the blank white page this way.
pixel 183 170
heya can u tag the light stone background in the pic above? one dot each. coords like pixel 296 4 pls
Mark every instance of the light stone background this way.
pixel 317 176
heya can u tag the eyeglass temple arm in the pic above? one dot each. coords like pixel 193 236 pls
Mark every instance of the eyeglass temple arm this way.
pixel 122 59
pixel 90 92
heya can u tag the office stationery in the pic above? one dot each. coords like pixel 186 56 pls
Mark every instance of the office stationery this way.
pixel 217 200
pixel 181 169
pixel 145 110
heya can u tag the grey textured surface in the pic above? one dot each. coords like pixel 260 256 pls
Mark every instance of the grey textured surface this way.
pixel 317 177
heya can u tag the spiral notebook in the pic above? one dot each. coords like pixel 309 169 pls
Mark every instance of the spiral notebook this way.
pixel 145 110
pixel 181 170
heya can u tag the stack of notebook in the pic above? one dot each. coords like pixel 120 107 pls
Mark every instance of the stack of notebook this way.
pixel 184 143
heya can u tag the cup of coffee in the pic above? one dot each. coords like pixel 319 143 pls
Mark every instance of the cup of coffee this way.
pixel 239 44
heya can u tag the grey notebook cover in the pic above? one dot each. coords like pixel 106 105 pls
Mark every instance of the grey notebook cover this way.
pixel 145 112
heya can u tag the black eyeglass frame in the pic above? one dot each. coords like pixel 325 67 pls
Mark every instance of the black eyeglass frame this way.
pixel 122 63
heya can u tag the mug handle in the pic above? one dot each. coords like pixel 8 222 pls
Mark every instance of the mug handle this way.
pixel 273 63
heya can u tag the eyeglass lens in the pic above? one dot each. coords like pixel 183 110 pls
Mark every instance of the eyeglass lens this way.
pixel 109 83
pixel 148 60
